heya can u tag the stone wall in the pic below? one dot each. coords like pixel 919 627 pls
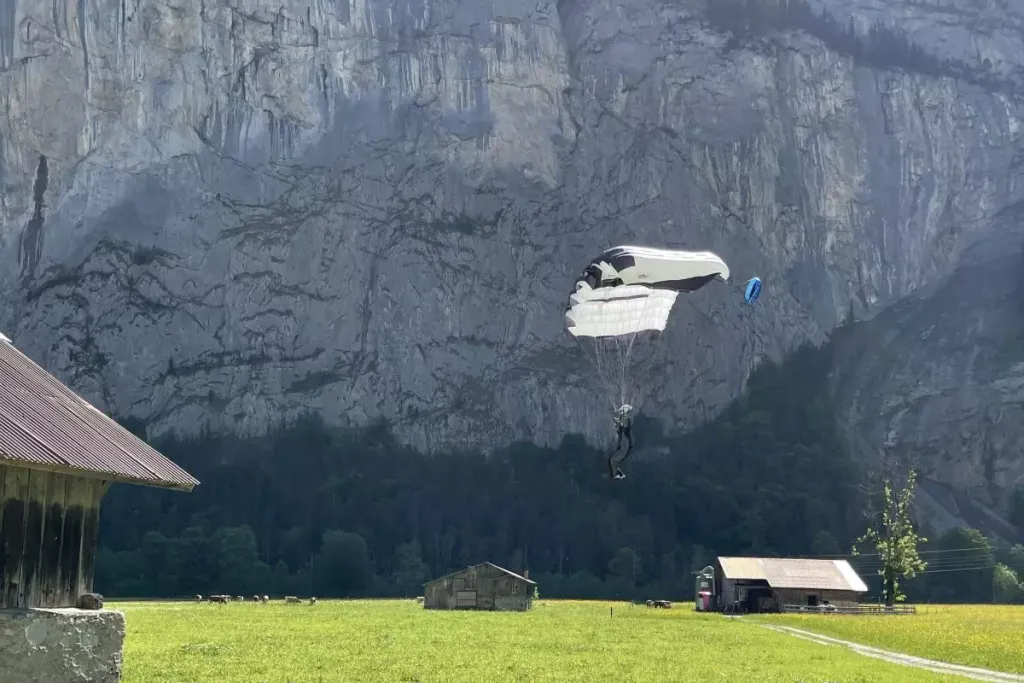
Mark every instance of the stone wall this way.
pixel 61 645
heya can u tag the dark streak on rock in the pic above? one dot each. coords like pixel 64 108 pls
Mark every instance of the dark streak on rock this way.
pixel 8 12
pixel 31 246
pixel 81 37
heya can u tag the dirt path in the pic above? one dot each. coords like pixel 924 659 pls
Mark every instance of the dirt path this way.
pixel 906 660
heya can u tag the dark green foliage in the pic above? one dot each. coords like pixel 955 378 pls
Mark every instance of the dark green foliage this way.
pixel 771 475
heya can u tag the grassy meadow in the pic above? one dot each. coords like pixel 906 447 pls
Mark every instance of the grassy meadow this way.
pixel 987 636
pixel 397 640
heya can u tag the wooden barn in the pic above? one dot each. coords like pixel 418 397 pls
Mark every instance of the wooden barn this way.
pixel 484 586
pixel 767 584
pixel 58 457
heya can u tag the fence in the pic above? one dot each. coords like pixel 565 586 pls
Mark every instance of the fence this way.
pixel 857 609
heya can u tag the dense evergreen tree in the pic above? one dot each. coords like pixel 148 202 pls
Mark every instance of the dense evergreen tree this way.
pixel 353 512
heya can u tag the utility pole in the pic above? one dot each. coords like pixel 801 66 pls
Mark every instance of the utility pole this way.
pixel 311 576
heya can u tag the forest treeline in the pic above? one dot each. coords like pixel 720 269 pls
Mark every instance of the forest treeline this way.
pixel 337 512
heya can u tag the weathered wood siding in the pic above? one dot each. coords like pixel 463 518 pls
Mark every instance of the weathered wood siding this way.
pixel 48 535
pixel 798 596
pixel 481 587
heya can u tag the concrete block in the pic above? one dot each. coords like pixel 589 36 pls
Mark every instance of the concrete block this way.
pixel 60 645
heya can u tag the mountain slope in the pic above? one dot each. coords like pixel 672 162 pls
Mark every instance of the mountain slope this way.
pixel 229 212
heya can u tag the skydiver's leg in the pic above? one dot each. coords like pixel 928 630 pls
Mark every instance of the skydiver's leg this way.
pixel 629 443
pixel 628 431
pixel 611 458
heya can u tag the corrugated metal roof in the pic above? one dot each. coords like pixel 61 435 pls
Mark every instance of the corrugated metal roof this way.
pixel 855 582
pixel 794 573
pixel 743 568
pixel 43 423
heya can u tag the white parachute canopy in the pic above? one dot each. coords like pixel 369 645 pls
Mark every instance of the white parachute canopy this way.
pixel 628 290
pixel 617 311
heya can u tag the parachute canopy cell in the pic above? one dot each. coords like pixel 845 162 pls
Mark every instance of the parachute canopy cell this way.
pixel 630 289
pixel 753 290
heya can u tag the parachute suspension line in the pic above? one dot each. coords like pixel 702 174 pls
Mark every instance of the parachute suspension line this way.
pixel 645 366
pixel 622 370
pixel 596 360
pixel 605 372
pixel 629 354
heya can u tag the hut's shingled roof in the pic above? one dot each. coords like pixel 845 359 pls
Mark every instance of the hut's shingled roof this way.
pixel 484 564
pixel 45 424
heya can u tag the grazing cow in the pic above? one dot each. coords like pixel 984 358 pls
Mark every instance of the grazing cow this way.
pixel 199 598
pixel 291 600
pixel 266 599
pixel 312 601
pixel 255 598
pixel 665 604
pixel 240 598
pixel 222 599
pixel 419 600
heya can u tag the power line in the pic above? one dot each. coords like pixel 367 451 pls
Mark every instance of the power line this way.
pixel 933 566
pixel 953 569
pixel 957 569
pixel 920 552
pixel 973 557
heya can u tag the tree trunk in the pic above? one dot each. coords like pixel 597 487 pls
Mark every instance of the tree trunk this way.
pixel 890 590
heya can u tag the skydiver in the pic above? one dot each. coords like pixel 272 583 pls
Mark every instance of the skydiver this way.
pixel 623 427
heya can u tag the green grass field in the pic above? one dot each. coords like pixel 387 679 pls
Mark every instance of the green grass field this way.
pixel 988 636
pixel 393 641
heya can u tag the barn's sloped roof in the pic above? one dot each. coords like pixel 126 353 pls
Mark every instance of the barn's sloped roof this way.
pixel 45 424
pixel 484 564
pixel 742 568
pixel 835 575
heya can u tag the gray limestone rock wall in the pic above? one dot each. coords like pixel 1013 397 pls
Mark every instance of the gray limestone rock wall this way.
pixel 226 213
pixel 61 646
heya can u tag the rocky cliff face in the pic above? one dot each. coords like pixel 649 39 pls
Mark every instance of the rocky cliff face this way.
pixel 229 211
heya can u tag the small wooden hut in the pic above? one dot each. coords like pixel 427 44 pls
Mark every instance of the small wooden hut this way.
pixel 58 457
pixel 484 586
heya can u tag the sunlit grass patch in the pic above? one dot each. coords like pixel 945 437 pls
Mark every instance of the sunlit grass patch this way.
pixel 988 636
pixel 395 640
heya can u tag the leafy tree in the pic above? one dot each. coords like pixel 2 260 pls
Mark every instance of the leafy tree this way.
pixel 343 565
pixel 410 570
pixel 234 556
pixel 894 538
pixel 969 553
pixel 1015 559
pixel 625 565
pixel 1006 587
pixel 825 544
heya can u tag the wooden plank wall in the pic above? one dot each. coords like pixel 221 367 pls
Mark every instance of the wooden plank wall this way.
pixel 48 535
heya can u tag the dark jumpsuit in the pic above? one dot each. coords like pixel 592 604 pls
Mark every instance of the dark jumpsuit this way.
pixel 623 428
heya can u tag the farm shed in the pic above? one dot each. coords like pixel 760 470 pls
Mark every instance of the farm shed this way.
pixel 58 457
pixel 484 586
pixel 766 584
